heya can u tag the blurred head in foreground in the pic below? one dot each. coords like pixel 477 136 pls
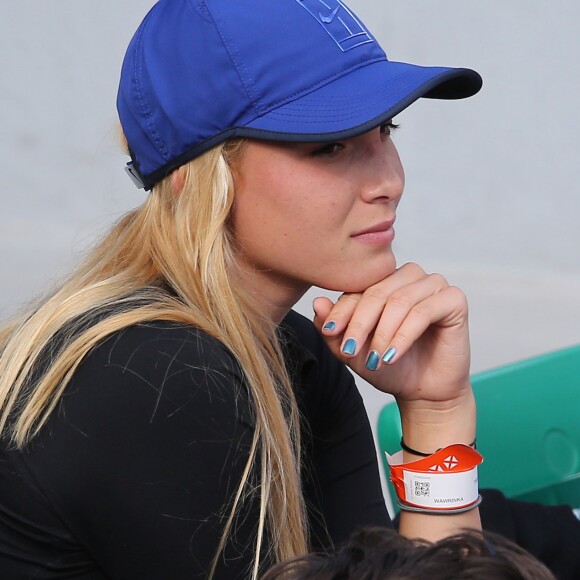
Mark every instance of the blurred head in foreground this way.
pixel 380 553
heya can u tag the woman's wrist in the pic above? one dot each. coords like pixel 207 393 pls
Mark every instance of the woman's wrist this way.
pixel 431 425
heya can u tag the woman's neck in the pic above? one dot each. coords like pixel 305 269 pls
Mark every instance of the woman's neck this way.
pixel 274 294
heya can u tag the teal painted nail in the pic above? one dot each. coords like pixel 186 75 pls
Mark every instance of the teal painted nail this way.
pixel 349 346
pixel 389 355
pixel 372 360
pixel 330 325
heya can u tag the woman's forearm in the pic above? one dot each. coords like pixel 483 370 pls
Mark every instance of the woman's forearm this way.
pixel 427 428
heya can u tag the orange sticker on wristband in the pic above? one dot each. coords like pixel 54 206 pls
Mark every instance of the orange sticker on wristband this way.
pixel 446 480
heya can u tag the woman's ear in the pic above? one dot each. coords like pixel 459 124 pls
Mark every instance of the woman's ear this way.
pixel 178 179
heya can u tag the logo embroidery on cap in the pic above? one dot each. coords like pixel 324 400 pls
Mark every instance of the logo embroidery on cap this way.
pixel 339 22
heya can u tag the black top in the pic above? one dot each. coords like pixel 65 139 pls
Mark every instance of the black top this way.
pixel 134 473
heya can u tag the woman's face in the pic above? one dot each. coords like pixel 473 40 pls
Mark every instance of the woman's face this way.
pixel 318 214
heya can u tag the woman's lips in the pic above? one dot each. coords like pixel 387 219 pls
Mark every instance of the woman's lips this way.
pixel 382 233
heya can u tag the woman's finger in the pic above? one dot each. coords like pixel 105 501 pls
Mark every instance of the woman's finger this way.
pixel 356 315
pixel 322 308
pixel 337 318
pixel 379 316
pixel 444 309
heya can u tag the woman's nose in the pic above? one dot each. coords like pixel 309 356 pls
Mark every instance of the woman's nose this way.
pixel 383 177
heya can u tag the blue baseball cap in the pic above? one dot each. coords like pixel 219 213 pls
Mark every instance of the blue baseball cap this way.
pixel 199 72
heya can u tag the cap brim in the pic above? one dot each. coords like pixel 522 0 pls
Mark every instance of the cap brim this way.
pixel 361 100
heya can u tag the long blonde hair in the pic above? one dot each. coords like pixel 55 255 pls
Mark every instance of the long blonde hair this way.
pixel 177 240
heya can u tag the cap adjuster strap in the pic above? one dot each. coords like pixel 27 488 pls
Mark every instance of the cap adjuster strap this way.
pixel 134 175
pixel 445 482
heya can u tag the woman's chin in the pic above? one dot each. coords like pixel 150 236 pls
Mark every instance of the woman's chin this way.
pixel 359 279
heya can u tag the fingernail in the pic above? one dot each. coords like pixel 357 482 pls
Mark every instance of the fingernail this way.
pixel 372 360
pixel 349 346
pixel 389 355
pixel 330 325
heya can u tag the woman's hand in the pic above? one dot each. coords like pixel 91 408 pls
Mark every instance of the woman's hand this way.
pixel 407 335
pixel 411 339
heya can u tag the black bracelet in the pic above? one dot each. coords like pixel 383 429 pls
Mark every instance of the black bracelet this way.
pixel 421 454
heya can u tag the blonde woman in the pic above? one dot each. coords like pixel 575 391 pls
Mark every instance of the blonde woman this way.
pixel 165 414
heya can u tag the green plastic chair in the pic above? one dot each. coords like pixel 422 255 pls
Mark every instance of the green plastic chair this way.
pixel 528 428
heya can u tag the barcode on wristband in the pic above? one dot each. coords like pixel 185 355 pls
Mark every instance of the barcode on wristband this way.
pixel 422 488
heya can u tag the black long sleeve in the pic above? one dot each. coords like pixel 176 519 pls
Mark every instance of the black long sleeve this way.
pixel 550 533
pixel 135 472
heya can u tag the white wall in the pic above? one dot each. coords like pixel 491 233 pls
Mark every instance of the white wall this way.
pixel 493 194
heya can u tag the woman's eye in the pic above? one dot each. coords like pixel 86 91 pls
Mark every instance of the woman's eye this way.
pixel 328 150
pixel 388 128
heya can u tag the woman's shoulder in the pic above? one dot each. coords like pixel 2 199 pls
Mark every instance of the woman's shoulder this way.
pixel 155 367
pixel 158 341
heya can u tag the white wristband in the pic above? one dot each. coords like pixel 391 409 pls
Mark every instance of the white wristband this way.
pixel 445 481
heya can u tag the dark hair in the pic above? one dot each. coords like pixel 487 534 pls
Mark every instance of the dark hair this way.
pixel 380 553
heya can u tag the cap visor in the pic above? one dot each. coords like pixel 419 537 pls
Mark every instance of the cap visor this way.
pixel 361 100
